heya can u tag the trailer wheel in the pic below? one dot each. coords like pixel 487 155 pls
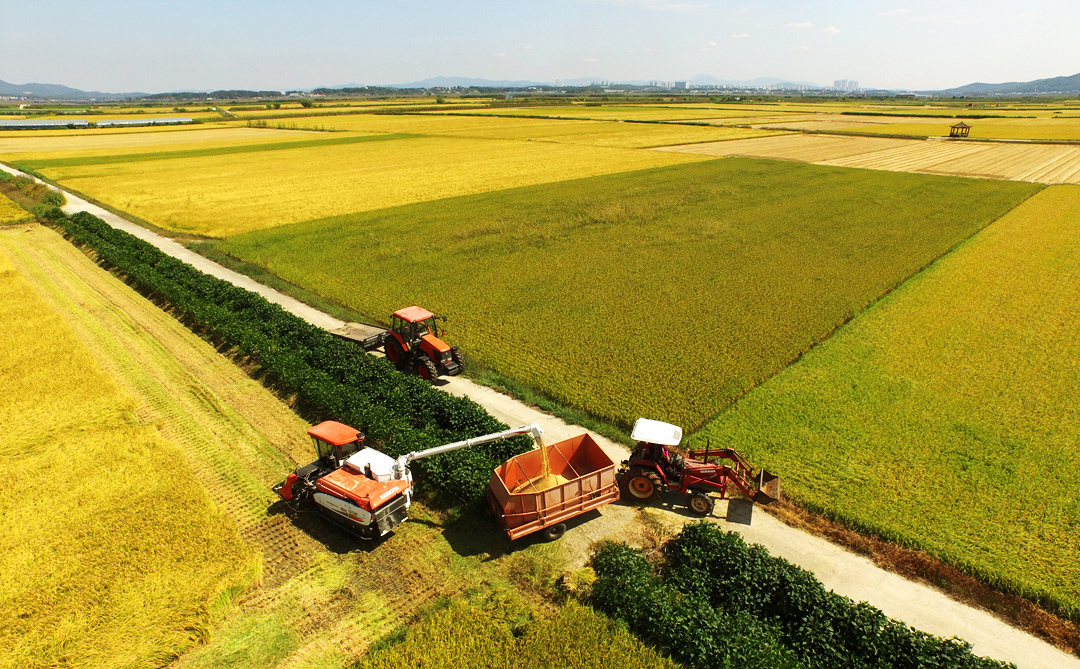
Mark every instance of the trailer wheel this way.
pixel 554 532
pixel 700 503
pixel 425 368
pixel 643 486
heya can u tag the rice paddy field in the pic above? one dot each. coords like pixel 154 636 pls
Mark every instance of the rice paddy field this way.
pixel 233 192
pixel 944 416
pixel 574 257
pixel 664 292
pixel 1039 163
pixel 112 552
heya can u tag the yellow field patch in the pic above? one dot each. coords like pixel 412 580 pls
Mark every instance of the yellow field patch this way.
pixel 220 196
pixel 1049 128
pixel 11 212
pixel 34 146
pixel 120 556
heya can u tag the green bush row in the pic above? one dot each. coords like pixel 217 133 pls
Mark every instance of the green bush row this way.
pixel 721 603
pixel 332 378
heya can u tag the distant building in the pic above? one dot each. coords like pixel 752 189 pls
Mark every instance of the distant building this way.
pixel 846 85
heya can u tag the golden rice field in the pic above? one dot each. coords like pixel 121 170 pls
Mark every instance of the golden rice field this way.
pixel 112 553
pixel 34 146
pixel 221 196
pixel 1046 129
pixel 616 112
pixel 945 416
pixel 11 212
pixel 1039 163
pixel 467 637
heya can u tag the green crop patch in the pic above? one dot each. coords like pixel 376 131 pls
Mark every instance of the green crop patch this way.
pixel 944 417
pixel 665 292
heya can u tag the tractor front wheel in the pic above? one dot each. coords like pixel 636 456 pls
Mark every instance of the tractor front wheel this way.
pixel 700 503
pixel 425 368
pixel 642 486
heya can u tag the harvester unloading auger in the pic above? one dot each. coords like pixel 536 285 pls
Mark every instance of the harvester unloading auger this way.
pixel 651 468
pixel 359 488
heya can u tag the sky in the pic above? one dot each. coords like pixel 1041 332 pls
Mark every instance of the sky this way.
pixel 155 46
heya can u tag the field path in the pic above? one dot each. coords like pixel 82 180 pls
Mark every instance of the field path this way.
pixel 843 571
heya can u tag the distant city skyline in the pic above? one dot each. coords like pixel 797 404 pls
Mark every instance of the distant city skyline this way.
pixel 161 46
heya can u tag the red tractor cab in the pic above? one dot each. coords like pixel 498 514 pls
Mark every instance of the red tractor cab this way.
pixel 413 344
pixel 653 467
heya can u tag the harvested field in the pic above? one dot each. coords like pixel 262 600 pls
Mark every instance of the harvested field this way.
pixel 11 212
pixel 124 559
pixel 944 416
pixel 1039 163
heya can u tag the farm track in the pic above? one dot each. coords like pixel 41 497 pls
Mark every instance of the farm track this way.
pixel 1020 161
pixel 290 551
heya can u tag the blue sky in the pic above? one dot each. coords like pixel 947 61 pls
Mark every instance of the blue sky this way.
pixel 156 46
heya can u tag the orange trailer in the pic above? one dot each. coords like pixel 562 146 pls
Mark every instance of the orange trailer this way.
pixel 579 477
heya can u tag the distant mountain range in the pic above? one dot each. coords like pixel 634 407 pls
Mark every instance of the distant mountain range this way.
pixel 58 92
pixel 1059 85
pixel 1055 85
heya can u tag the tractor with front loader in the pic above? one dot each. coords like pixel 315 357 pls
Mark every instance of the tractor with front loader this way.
pixel 652 468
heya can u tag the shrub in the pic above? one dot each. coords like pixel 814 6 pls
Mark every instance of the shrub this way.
pixel 332 377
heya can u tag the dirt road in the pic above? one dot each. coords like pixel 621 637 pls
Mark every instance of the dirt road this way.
pixel 844 572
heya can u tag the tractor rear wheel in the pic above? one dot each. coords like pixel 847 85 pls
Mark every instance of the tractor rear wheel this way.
pixel 425 368
pixel 393 351
pixel 700 503
pixel 642 486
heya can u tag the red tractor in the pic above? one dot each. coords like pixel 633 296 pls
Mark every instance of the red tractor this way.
pixel 651 468
pixel 412 343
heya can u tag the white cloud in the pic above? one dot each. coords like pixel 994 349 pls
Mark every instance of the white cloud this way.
pixel 832 30
pixel 744 10
pixel 800 26
pixel 801 48
pixel 741 36
pixel 499 55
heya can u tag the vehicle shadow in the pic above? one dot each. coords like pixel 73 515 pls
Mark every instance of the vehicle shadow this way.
pixel 332 536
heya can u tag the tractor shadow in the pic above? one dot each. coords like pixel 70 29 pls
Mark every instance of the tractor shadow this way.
pixel 733 510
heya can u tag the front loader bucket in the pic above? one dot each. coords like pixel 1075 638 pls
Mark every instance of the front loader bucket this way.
pixel 768 486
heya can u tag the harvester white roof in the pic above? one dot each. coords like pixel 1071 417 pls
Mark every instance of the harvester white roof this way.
pixel 656 432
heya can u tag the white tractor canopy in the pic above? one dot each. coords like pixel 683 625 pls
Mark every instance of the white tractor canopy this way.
pixel 656 432
pixel 382 465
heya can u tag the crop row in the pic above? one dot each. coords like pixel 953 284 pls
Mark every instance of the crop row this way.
pixel 722 603
pixel 331 378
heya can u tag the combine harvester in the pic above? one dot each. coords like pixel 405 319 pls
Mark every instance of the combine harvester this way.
pixel 369 493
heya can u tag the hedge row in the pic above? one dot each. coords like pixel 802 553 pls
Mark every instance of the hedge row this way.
pixel 333 378
pixel 721 603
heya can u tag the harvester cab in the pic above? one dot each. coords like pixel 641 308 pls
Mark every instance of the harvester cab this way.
pixel 413 343
pixel 364 490
pixel 653 467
